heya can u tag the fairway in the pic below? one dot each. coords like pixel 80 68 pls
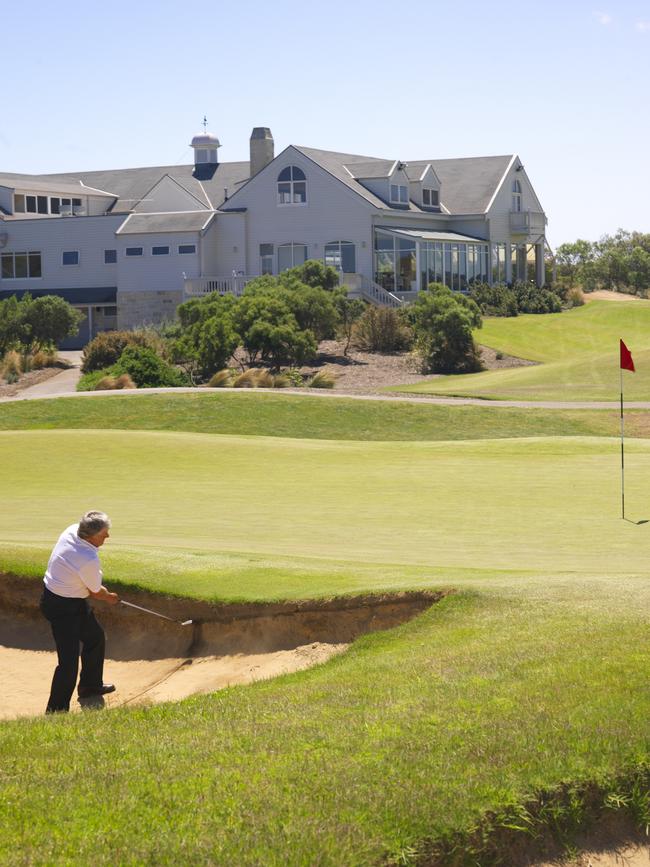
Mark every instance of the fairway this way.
pixel 576 351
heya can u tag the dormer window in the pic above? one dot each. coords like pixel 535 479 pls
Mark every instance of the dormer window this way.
pixel 292 186
pixel 516 197
pixel 430 198
pixel 399 194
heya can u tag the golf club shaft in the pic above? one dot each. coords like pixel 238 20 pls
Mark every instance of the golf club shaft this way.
pixel 148 610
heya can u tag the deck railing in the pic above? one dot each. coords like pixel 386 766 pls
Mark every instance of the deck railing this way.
pixel 197 286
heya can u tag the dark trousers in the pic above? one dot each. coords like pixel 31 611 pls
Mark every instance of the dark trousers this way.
pixel 74 627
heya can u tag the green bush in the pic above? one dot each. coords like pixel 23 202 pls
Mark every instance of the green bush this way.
pixel 36 323
pixel 106 348
pixel 148 370
pixel 88 381
pixel 382 329
pixel 442 321
pixel 496 300
pixel 532 299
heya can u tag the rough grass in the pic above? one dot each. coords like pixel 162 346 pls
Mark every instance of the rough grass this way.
pixel 577 351
pixel 255 413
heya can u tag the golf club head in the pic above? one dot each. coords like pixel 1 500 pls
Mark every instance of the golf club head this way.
pixel 187 622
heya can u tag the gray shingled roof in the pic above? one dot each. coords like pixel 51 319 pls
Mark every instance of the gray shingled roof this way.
pixel 467 184
pixel 132 185
pixel 372 169
pixel 184 221
pixel 27 182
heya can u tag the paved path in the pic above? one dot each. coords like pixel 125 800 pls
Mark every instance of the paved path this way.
pixel 63 383
pixel 58 388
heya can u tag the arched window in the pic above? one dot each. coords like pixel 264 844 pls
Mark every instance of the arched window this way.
pixel 290 255
pixel 516 196
pixel 341 255
pixel 292 186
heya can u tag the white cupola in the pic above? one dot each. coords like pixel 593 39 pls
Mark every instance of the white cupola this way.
pixel 205 148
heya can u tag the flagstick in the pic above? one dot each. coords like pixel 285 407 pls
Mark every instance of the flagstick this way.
pixel 622 455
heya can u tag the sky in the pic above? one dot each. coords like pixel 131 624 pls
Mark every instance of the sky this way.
pixel 564 85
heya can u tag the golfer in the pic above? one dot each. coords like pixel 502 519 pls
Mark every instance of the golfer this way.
pixel 73 574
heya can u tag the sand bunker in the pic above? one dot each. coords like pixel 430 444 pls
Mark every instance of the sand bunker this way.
pixel 151 660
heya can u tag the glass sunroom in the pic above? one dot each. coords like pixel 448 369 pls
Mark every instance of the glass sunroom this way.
pixel 407 260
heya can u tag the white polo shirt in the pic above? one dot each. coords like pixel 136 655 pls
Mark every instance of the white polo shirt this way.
pixel 74 568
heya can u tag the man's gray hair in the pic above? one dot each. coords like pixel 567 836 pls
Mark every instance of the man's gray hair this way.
pixel 91 523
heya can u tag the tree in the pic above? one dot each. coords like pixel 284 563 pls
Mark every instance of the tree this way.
pixel 443 321
pixel 12 330
pixel 349 311
pixel 571 260
pixel 208 337
pixel 268 327
pixel 312 273
pixel 48 320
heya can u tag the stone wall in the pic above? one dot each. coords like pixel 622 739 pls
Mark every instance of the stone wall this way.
pixel 146 307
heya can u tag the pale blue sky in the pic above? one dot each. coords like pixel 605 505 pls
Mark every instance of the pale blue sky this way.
pixel 91 85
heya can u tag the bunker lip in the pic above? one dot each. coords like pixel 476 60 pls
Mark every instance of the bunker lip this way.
pixel 152 659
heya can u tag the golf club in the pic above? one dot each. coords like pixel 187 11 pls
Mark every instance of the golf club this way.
pixel 156 613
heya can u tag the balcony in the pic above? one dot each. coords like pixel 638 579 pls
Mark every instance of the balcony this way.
pixel 527 223
pixel 199 286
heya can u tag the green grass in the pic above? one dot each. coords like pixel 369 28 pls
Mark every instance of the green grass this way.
pixel 577 353
pixel 533 674
pixel 249 413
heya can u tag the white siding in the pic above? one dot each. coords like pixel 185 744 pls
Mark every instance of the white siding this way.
pixel 332 213
pixel 225 246
pixel 6 199
pixel 499 213
pixel 148 273
pixel 89 235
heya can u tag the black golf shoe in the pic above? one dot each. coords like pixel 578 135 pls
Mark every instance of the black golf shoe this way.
pixel 102 689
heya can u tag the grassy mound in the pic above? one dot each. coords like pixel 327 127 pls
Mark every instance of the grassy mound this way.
pixel 577 351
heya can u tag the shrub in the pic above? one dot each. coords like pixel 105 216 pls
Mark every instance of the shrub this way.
pixel 221 379
pixel 322 379
pixel 281 380
pixel 497 300
pixel 265 379
pixel 575 298
pixel 39 360
pixel 124 381
pixel 207 335
pixel 106 383
pixel 106 348
pixel 148 370
pixel 247 379
pixel 443 321
pixel 531 299
pixel 88 381
pixel 294 376
pixel 382 329
pixel 11 365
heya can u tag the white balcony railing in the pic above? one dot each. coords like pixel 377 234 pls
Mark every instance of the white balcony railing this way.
pixel 195 287
pixel 527 222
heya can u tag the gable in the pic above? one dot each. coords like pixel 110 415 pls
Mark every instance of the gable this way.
pixel 168 195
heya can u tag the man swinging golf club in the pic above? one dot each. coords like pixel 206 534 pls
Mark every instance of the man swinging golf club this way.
pixel 73 574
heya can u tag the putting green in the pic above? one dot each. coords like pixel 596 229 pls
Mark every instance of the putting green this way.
pixel 526 506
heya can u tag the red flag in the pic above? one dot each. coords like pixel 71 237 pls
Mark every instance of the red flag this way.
pixel 626 358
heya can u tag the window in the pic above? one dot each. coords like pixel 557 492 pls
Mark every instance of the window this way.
pixel 266 258
pixel 430 198
pixel 41 204
pixel 292 186
pixel 110 257
pixel 19 203
pixel 30 204
pixel 516 197
pixel 290 255
pixel 399 193
pixel 186 248
pixel 133 251
pixel 341 255
pixel 55 205
pixel 20 266
pixel 70 257
pixel 160 251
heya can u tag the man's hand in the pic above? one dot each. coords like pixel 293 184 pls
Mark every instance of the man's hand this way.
pixel 105 595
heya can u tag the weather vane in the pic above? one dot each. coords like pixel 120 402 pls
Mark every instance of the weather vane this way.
pixel 205 123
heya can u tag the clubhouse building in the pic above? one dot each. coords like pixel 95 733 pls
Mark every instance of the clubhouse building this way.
pixel 127 246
